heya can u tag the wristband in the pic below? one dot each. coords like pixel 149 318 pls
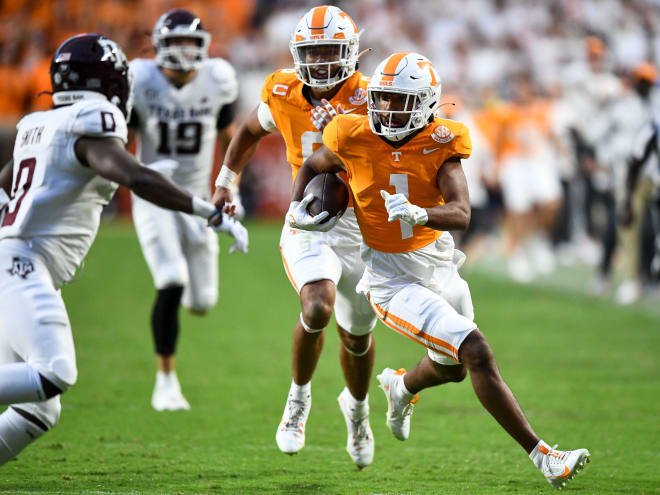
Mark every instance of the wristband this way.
pixel 202 208
pixel 226 177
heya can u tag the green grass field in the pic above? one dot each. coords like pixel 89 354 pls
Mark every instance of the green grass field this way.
pixel 586 373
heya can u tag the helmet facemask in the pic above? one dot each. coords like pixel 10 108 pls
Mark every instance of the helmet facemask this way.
pixel 171 53
pixel 395 113
pixel 323 64
pixel 181 41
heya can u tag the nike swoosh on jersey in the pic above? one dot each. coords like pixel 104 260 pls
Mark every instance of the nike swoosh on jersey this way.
pixel 426 152
pixel 350 110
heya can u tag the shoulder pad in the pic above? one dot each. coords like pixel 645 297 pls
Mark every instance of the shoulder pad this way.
pixel 98 118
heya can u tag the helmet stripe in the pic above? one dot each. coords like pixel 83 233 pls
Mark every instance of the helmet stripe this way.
pixel 390 66
pixel 318 21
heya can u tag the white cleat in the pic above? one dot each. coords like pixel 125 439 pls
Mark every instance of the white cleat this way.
pixel 360 443
pixel 167 394
pixel 559 466
pixel 290 436
pixel 399 408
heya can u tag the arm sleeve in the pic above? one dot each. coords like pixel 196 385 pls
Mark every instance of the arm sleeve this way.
pixel 100 119
pixel 225 116
pixel 134 120
pixel 266 117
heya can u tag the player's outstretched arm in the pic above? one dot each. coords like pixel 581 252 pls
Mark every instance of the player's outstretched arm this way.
pixel 108 158
pixel 239 151
pixel 455 213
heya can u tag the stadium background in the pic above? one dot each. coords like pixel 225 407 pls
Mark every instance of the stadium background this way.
pixel 585 371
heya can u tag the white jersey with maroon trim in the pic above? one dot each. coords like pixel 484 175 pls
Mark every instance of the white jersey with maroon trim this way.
pixel 182 123
pixel 56 201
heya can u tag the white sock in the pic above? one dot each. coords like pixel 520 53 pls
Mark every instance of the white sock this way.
pixel 20 382
pixel 402 390
pixel 537 454
pixel 357 407
pixel 16 433
pixel 301 392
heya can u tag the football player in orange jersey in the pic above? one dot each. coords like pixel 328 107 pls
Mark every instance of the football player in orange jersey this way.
pixel 323 268
pixel 404 169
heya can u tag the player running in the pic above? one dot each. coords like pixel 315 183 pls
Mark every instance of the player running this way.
pixel 323 268
pixel 183 100
pixel 404 169
pixel 66 166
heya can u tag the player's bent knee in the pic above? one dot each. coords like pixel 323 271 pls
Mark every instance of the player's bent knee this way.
pixel 317 312
pixel 457 374
pixel 476 352
pixel 201 304
pixel 62 373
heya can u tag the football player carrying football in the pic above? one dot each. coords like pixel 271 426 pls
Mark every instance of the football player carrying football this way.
pixel 183 100
pixel 404 169
pixel 66 165
pixel 324 268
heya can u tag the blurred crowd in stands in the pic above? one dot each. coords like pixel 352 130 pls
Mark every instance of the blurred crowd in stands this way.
pixel 554 92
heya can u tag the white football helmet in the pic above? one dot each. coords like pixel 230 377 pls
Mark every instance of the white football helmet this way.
pixel 180 23
pixel 411 81
pixel 325 26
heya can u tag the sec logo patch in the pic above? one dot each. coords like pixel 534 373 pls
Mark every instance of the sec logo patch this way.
pixel 442 134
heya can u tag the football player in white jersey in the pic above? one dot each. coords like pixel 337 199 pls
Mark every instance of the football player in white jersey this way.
pixel 66 165
pixel 183 100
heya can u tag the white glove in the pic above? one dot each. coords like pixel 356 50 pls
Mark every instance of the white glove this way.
pixel 322 114
pixel 399 208
pixel 299 218
pixel 234 228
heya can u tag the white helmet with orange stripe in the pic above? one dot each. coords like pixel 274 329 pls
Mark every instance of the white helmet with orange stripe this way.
pixel 403 95
pixel 325 47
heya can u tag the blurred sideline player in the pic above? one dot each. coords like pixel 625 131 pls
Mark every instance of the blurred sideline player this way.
pixel 66 165
pixel 323 268
pixel 183 100
pixel 530 183
pixel 398 157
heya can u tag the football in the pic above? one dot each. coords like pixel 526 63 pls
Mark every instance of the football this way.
pixel 330 194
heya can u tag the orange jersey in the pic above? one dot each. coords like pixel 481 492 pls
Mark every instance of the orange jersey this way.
pixel 282 92
pixel 373 164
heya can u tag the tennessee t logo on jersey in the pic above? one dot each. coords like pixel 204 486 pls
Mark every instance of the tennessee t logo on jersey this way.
pixel 397 155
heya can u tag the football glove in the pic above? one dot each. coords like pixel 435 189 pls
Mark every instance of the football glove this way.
pixel 399 208
pixel 235 229
pixel 299 218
